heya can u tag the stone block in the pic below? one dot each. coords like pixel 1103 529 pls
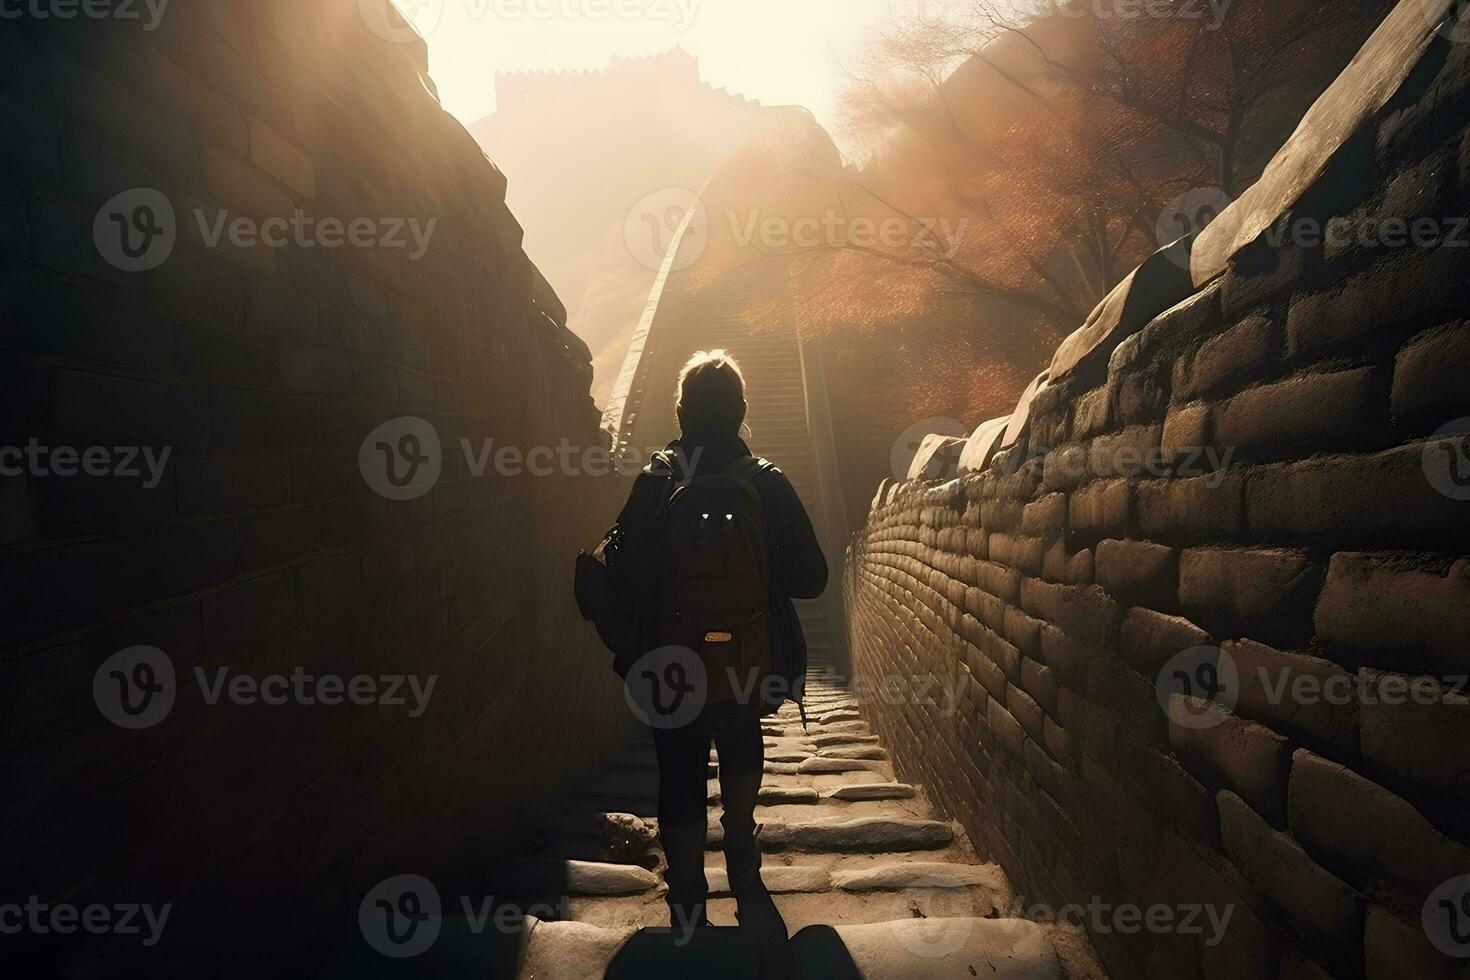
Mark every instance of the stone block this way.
pixel 1229 360
pixel 1266 592
pixel 1414 732
pixel 1387 603
pixel 1100 509
pixel 1321 905
pixel 1358 830
pixel 1197 508
pixel 1148 639
pixel 1306 413
pixel 1308 699
pixel 1355 501
pixel 1139 573
pixel 1429 386
pixel 1232 753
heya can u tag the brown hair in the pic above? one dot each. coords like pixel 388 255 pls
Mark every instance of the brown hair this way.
pixel 711 398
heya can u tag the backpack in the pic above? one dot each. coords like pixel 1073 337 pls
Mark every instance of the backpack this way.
pixel 613 584
pixel 714 583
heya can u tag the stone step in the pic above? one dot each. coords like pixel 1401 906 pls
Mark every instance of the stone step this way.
pixel 921 875
pixel 772 795
pixel 927 949
pixel 600 878
pixel 876 752
pixel 861 835
pixel 899 949
pixel 872 791
pixel 828 739
pixel 817 764
pixel 778 879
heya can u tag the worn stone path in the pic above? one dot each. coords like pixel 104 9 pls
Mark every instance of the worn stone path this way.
pixel 846 846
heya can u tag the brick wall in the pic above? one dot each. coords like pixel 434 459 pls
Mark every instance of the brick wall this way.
pixel 262 547
pixel 1058 587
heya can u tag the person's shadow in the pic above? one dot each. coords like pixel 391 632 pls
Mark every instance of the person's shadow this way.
pixel 814 953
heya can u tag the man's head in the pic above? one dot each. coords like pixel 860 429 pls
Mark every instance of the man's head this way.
pixel 711 396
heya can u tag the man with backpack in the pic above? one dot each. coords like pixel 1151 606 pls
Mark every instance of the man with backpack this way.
pixel 707 555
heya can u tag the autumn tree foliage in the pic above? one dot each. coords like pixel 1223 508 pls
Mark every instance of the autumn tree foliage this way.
pixel 1025 156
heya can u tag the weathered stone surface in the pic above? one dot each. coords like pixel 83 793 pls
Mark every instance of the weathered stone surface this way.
pixel 1330 909
pixel 872 791
pixel 1148 639
pixel 1388 603
pixel 1356 828
pixel 1375 75
pixel 1378 499
pixel 863 834
pixel 1416 730
pixel 783 795
pixel 1227 360
pixel 982 445
pixel 842 738
pixel 932 949
pixel 937 458
pixel 925 874
pixel 853 752
pixel 1264 591
pixel 1159 283
pixel 1241 755
pixel 596 878
pixel 1139 572
pixel 1309 699
pixel 819 764
pixel 571 950
pixel 1428 378
pixel 778 879
pixel 1210 507
pixel 1309 413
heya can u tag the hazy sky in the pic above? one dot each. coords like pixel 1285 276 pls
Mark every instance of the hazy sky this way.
pixel 778 51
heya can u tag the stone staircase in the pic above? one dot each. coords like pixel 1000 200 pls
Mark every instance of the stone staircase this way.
pixel 869 883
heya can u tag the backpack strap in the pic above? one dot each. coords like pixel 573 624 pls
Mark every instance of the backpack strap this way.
pixel 749 467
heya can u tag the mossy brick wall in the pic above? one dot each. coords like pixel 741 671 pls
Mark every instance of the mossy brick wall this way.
pixel 263 549
pixel 1054 593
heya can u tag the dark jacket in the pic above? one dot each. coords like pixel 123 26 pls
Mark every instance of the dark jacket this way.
pixel 797 566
